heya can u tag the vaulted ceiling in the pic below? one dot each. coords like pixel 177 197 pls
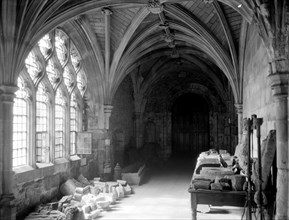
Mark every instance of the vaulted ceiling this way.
pixel 159 40
pixel 174 43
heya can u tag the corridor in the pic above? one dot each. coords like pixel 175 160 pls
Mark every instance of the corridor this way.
pixel 164 196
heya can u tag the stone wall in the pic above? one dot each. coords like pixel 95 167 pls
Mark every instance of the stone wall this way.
pixel 223 134
pixel 41 185
pixel 162 128
pixel 35 186
pixel 257 98
pixel 121 122
pixel 222 123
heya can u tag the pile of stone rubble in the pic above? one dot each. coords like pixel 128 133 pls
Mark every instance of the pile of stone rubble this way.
pixel 82 199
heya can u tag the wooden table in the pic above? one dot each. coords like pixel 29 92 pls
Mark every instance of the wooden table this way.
pixel 216 198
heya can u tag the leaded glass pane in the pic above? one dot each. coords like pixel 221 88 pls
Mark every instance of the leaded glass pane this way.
pixel 59 125
pixel 20 156
pixel 42 141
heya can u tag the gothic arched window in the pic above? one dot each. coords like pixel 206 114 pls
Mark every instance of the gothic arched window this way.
pixel 56 81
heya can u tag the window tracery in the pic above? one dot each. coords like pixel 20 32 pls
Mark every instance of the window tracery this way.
pixel 45 46
pixel 69 79
pixel 33 66
pixel 61 47
pixel 75 58
pixel 52 73
pixel 54 69
pixel 81 82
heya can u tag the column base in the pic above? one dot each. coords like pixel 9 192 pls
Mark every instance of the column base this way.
pixel 7 207
pixel 282 194
pixel 279 217
pixel 107 172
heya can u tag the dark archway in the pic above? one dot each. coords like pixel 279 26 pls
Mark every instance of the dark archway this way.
pixel 190 125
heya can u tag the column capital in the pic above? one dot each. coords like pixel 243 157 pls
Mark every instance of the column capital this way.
pixel 106 11
pixel 107 109
pixel 239 108
pixel 8 92
pixel 136 115
pixel 279 84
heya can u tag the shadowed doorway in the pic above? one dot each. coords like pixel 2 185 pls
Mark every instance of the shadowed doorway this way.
pixel 190 125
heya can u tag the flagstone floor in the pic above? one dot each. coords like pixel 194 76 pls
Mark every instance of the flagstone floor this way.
pixel 164 196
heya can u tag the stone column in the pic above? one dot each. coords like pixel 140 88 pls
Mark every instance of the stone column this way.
pixel 138 130
pixel 107 141
pixel 107 109
pixel 107 12
pixel 279 86
pixel 239 108
pixel 7 206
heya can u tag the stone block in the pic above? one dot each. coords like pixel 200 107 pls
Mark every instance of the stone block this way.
pixel 103 204
pixel 68 188
pixel 94 214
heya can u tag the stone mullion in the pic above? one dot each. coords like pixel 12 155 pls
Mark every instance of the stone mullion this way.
pixel 107 17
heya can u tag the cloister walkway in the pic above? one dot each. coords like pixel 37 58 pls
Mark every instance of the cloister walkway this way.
pixel 164 196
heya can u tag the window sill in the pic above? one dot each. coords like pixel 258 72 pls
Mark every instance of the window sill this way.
pixel 22 169
pixel 43 165
pixel 61 160
pixel 26 174
pixel 74 158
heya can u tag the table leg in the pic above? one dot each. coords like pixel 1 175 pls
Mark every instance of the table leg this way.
pixel 194 206
pixel 194 214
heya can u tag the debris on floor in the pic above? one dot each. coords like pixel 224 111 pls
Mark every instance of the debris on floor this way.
pixel 82 199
